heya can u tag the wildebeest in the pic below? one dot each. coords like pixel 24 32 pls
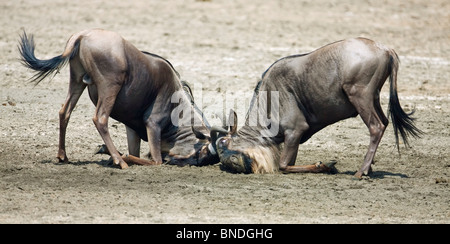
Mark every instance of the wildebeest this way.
pixel 311 91
pixel 136 88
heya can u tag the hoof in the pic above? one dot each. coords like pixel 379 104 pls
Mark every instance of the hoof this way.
pixel 331 164
pixel 61 156
pixel 123 165
pixel 328 167
pixel 62 159
pixel 358 176
pixel 363 172
pixel 119 162
pixel 101 149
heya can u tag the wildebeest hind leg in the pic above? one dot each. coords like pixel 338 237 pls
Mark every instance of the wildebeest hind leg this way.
pixel 107 96
pixel 76 88
pixel 369 109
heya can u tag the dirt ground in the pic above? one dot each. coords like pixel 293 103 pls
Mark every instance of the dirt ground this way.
pixel 222 47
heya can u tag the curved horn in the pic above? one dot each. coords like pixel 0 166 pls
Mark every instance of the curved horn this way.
pixel 217 129
pixel 214 131
pixel 232 119
pixel 198 134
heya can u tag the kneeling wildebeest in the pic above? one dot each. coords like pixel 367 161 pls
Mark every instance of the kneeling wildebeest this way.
pixel 133 87
pixel 311 91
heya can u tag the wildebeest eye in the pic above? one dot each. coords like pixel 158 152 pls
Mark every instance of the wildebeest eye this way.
pixel 234 159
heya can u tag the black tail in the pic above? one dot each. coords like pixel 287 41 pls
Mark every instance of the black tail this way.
pixel 44 68
pixel 402 122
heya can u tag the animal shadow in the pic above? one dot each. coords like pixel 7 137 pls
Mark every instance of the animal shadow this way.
pixel 379 174
pixel 107 163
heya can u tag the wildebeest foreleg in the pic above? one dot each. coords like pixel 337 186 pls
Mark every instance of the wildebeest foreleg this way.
pixel 154 140
pixel 130 159
pixel 134 142
pixel 312 168
pixel 292 139
pixel 289 156
pixel 76 88
pixel 157 116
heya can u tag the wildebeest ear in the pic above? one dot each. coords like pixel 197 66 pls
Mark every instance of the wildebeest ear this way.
pixel 232 121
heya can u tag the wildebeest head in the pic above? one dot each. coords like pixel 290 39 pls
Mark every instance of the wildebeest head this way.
pixel 241 153
pixel 196 150
pixel 232 160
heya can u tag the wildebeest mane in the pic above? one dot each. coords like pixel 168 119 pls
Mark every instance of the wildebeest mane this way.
pixel 288 57
pixel 296 56
pixel 187 89
pixel 258 85
pixel 167 61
